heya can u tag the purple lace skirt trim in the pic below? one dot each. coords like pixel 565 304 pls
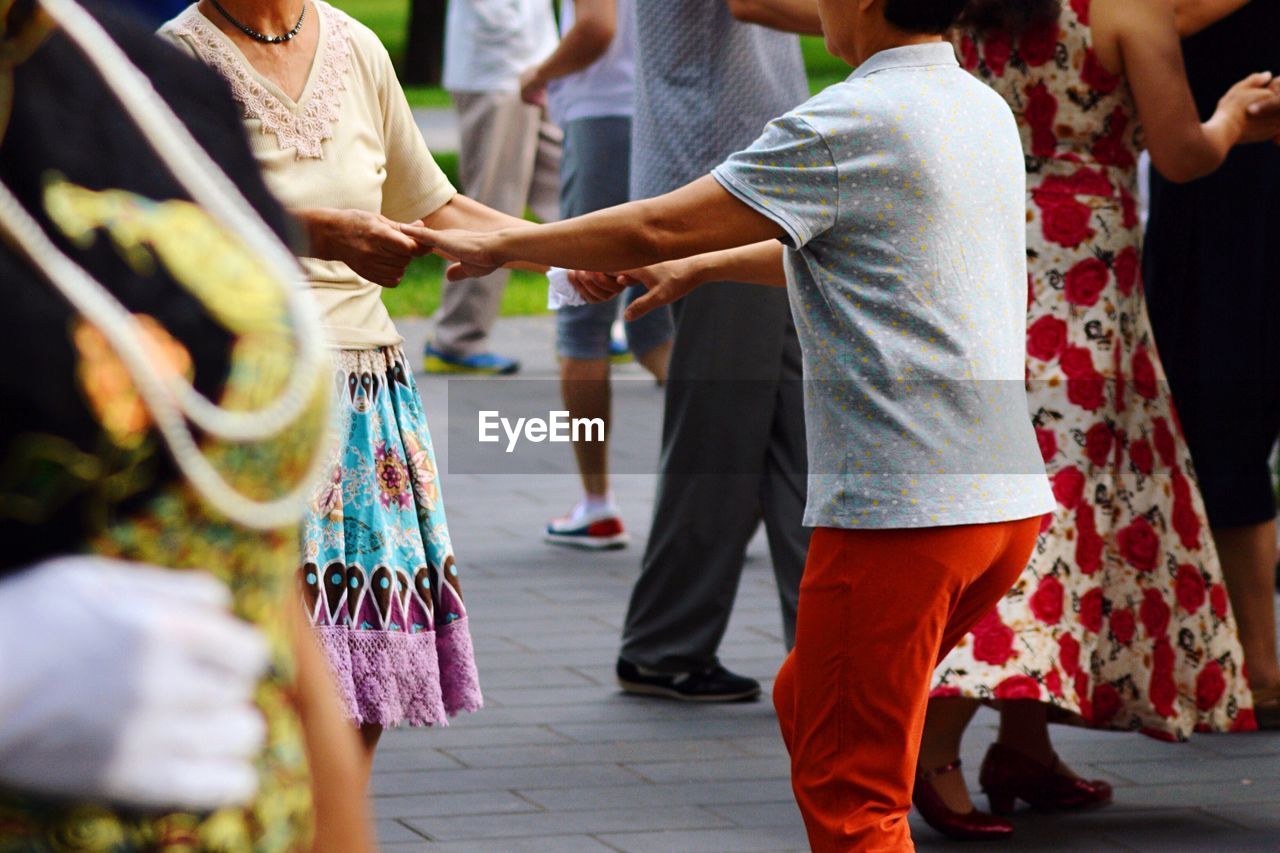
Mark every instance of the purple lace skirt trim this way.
pixel 391 678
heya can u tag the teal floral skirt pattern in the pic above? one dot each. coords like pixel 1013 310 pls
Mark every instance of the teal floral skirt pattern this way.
pixel 379 578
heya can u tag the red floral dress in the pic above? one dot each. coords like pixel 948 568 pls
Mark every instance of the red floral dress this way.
pixel 1121 619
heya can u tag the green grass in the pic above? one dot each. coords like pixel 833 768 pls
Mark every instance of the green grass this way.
pixel 419 292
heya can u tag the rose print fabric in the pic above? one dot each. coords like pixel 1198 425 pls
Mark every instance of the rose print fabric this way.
pixel 1121 619
pixel 379 578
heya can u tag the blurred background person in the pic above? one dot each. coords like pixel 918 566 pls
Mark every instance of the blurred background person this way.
pixel 509 157
pixel 1213 274
pixel 146 708
pixel 1120 620
pixel 591 78
pixel 709 76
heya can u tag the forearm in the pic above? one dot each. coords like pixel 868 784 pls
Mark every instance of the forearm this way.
pixel 586 42
pixel 759 263
pixel 792 16
pixel 317 223
pixel 1199 153
pixel 699 218
pixel 470 215
pixel 1192 16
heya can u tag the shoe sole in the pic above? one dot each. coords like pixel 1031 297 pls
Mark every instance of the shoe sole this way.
pixel 584 543
pixel 440 367
pixel 638 689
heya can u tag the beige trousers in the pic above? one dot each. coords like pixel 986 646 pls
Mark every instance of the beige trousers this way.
pixel 510 160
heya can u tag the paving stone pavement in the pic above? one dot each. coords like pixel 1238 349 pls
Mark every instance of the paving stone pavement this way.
pixel 559 761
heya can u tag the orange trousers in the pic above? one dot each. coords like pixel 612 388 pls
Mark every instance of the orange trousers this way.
pixel 878 610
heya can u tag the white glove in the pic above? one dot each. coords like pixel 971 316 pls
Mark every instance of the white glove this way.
pixel 127 683
pixel 560 293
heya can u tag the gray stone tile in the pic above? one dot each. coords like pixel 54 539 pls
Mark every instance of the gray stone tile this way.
pixel 774 840
pixel 530 697
pixel 739 728
pixel 508 778
pixel 640 752
pixel 780 813
pixel 1202 794
pixel 1197 769
pixel 389 831
pixel 649 795
pixel 555 676
pixel 416 759
pixel 544 844
pixel 566 823
pixel 451 804
pixel 455 737
pixel 715 771
pixel 1253 744
pixel 1263 817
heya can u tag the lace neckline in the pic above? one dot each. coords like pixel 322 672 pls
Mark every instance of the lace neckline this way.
pixel 303 126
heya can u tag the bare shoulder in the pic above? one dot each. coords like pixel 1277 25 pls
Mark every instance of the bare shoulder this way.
pixel 1117 22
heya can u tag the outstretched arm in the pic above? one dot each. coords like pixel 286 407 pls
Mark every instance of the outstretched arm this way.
pixel 759 263
pixel 698 218
pixel 1150 53
pixel 791 16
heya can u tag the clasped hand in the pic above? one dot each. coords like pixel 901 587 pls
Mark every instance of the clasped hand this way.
pixel 665 283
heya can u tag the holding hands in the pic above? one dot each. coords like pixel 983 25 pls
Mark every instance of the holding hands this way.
pixel 375 247
pixel 665 283
pixel 1253 106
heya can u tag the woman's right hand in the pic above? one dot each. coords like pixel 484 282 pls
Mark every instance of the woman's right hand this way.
pixel 375 247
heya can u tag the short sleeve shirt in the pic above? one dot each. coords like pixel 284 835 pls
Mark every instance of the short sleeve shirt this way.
pixel 350 142
pixel 901 192
pixel 706 85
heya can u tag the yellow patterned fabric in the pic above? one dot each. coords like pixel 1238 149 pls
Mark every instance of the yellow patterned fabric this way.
pixel 173 527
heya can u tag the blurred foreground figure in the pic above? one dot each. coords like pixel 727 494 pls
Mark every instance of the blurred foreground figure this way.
pixel 166 404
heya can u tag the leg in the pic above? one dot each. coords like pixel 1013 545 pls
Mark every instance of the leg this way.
pixel 1024 726
pixel 588 180
pixel 877 611
pixel 500 136
pixel 655 360
pixel 716 432
pixel 370 734
pixel 944 726
pixel 1248 564
pixel 584 386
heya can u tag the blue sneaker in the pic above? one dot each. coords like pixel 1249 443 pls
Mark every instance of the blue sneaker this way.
pixel 619 352
pixel 481 363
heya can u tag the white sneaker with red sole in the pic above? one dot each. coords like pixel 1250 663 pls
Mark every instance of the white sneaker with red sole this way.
pixel 598 530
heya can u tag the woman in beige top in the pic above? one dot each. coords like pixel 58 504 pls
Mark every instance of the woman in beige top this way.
pixel 337 143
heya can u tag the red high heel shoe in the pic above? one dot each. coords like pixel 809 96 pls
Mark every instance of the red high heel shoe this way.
pixel 1008 776
pixel 972 826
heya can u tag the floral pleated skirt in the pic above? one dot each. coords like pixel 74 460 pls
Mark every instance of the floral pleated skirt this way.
pixel 379 578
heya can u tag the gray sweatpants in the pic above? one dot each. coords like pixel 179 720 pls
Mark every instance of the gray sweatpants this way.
pixel 510 158
pixel 733 455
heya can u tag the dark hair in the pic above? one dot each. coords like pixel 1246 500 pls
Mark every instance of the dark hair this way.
pixel 1010 16
pixel 923 16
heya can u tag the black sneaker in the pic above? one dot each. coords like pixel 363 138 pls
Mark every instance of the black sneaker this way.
pixel 712 685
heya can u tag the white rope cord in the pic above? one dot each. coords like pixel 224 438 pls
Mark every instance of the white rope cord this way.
pixel 170 400
pixel 205 181
pixel 125 335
